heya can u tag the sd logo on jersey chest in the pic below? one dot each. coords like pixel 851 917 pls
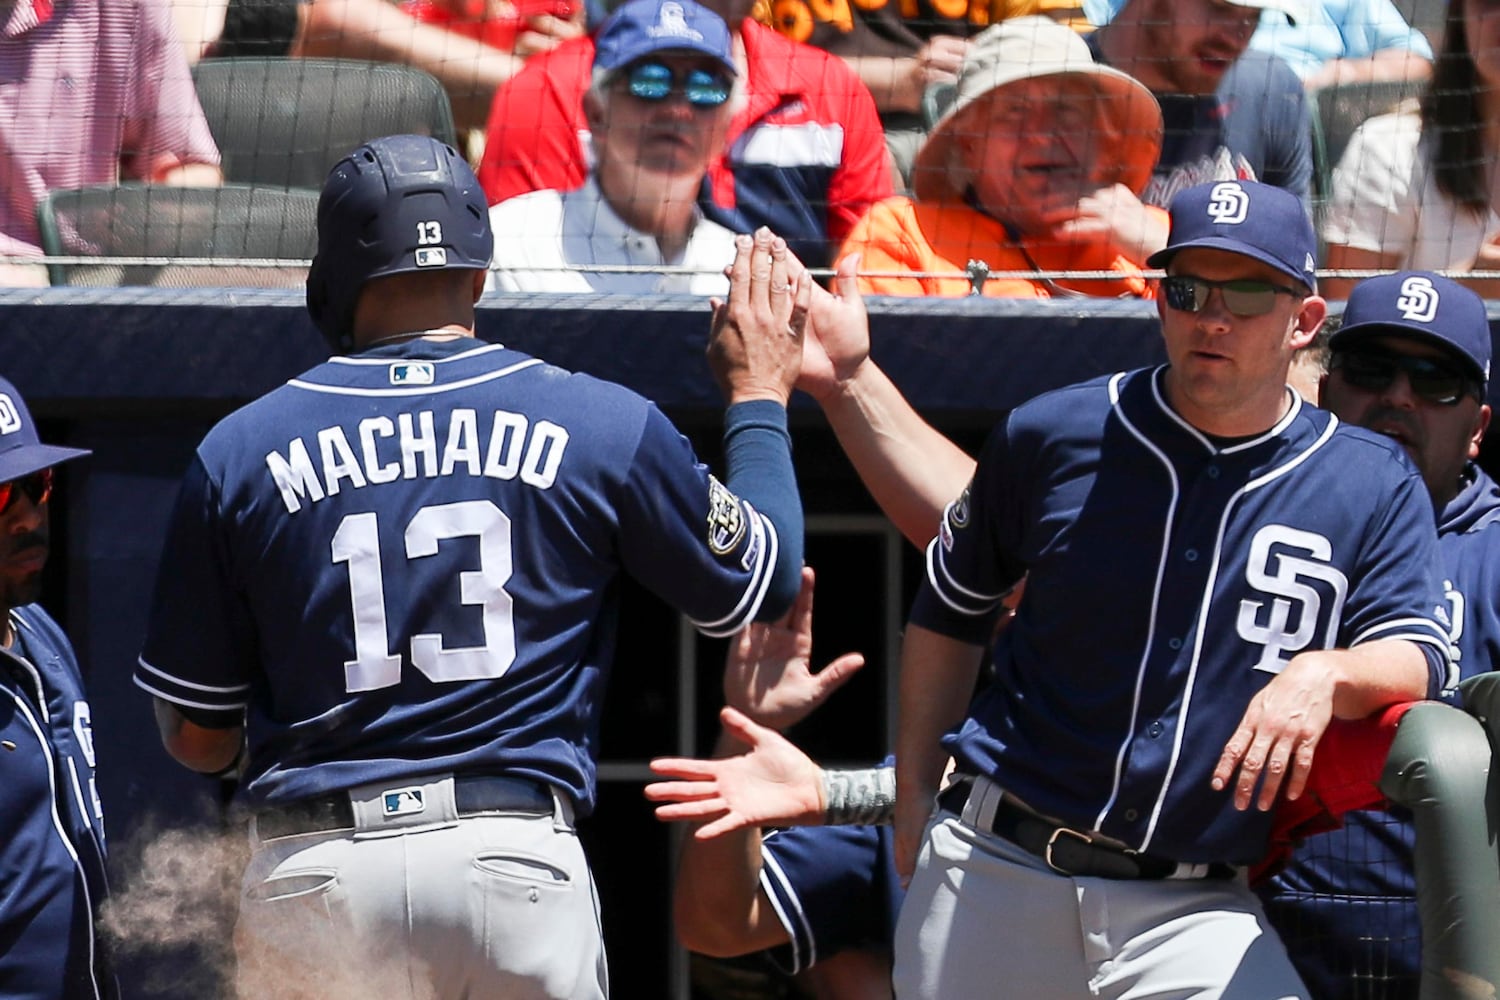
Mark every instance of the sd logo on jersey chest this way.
pixel 726 518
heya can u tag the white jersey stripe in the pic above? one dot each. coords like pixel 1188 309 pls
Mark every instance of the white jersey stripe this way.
pixel 770 867
pixel 234 689
pixel 174 699
pixel 1161 569
pixel 1206 604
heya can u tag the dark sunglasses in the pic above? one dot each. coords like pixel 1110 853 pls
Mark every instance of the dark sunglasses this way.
pixel 654 81
pixel 1243 297
pixel 1432 380
pixel 37 487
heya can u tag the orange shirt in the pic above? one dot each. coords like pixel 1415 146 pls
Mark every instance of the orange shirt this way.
pixel 899 234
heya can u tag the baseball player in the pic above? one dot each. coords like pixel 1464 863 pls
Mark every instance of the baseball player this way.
pixel 51 822
pixel 1214 570
pixel 1411 361
pixel 396 575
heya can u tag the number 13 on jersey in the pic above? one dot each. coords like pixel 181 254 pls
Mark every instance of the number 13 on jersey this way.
pixel 357 543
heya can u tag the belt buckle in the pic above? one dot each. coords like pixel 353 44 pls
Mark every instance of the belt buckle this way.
pixel 1057 834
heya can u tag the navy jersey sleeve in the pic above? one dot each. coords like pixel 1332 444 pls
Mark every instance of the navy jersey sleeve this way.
pixel 1397 592
pixel 758 453
pixel 200 642
pixel 974 560
pixel 834 888
pixel 689 539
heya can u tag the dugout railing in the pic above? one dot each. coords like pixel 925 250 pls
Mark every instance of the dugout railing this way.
pixel 138 375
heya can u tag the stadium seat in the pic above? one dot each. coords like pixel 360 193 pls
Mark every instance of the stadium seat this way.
pixel 1340 109
pixel 260 226
pixel 286 121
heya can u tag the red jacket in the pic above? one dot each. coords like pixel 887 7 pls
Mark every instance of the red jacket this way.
pixel 806 153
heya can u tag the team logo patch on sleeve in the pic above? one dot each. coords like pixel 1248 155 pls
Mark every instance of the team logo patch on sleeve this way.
pixel 959 509
pixel 726 518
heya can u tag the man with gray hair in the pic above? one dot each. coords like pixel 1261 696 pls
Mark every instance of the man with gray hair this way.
pixel 659 109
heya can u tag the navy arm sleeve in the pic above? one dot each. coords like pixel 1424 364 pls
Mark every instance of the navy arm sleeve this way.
pixel 758 456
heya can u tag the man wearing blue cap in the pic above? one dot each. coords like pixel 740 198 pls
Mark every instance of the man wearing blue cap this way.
pixel 1412 362
pixel 658 110
pixel 51 823
pixel 1214 571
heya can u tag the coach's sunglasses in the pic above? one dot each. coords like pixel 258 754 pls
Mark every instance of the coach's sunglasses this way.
pixel 1243 297
pixel 654 81
pixel 37 487
pixel 1433 380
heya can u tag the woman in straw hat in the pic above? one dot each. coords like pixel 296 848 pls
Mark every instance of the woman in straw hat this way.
pixel 1036 167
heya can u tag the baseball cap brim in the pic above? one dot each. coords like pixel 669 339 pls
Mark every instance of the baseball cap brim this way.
pixel 1164 257
pixel 1356 332
pixel 24 461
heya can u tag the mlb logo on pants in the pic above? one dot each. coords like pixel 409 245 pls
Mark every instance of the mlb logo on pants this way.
pixel 402 801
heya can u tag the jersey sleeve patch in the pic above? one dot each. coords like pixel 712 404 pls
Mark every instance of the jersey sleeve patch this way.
pixel 726 519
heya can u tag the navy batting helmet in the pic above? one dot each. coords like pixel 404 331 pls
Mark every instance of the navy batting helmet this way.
pixel 396 205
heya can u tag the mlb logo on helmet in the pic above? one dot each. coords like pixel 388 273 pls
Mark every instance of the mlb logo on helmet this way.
pixel 432 257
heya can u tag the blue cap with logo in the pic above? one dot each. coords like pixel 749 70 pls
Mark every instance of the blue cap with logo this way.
pixel 1255 220
pixel 644 27
pixel 1424 306
pixel 21 449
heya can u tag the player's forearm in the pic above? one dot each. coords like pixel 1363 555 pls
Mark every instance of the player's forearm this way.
pixel 199 748
pixel 862 797
pixel 911 469
pixel 469 70
pixel 1373 675
pixel 893 81
pixel 717 903
pixel 758 455
pixel 937 680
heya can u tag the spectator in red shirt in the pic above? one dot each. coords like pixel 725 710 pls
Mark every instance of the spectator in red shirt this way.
pixel 806 155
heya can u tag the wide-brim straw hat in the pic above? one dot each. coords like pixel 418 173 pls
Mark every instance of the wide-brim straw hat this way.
pixel 1026 48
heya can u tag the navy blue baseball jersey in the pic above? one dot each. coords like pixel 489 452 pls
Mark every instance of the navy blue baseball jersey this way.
pixel 834 888
pixel 1171 576
pixel 406 562
pixel 52 877
pixel 1346 905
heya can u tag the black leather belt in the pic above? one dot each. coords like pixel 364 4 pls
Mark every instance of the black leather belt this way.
pixel 1074 852
pixel 472 795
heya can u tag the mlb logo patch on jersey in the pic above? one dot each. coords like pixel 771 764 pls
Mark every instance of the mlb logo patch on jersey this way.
pixel 402 801
pixel 413 373
pixel 726 518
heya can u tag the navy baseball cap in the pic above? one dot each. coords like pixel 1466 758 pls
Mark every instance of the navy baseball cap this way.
pixel 21 450
pixel 1424 306
pixel 644 27
pixel 1259 221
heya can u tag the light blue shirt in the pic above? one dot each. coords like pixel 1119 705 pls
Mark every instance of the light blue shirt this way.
pixel 1337 29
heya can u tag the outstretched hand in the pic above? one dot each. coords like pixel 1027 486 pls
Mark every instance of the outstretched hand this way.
pixel 838 333
pixel 772 784
pixel 755 339
pixel 768 673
